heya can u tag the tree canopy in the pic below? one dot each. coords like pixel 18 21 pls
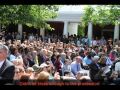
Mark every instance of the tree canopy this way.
pixel 101 14
pixel 30 15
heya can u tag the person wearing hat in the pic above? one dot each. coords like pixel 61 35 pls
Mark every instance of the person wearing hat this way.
pixel 35 67
pixel 47 67
pixel 94 67
pixel 30 72
pixel 44 66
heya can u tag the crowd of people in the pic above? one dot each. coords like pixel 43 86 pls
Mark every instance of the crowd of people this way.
pixel 51 58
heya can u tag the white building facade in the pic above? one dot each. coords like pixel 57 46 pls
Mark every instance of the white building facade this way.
pixel 71 18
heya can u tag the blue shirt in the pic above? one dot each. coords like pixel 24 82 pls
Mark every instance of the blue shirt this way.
pixel 108 61
pixel 87 60
pixel 75 67
pixel 12 57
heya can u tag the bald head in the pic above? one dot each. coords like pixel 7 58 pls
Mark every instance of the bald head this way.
pixel 78 59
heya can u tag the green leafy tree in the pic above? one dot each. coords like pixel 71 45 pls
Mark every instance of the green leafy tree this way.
pixel 31 15
pixel 101 15
pixel 80 30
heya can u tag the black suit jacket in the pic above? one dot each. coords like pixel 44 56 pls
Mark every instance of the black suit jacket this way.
pixel 93 70
pixel 7 72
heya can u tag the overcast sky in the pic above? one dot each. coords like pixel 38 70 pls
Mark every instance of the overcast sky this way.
pixel 73 8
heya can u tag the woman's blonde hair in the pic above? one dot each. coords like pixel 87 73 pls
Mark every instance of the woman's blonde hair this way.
pixel 43 76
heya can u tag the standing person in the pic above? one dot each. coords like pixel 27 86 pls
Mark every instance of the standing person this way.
pixel 7 69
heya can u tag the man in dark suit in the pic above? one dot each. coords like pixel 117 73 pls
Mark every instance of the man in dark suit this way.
pixel 94 68
pixel 7 68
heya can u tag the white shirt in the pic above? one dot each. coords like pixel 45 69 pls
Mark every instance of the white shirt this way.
pixel 1 63
pixel 117 66
pixel 94 42
pixel 78 43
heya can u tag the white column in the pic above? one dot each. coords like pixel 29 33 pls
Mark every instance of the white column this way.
pixel 90 27
pixel 73 28
pixel 65 31
pixel 20 29
pixel 116 32
pixel 42 32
